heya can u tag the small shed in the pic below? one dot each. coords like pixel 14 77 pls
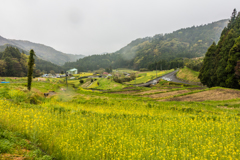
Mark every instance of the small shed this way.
pixel 73 71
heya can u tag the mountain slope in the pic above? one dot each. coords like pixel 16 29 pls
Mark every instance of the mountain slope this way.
pixel 42 51
pixel 143 52
pixel 41 64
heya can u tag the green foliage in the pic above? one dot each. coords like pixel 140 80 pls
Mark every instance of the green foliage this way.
pixel 47 66
pixel 81 81
pixel 109 70
pixel 14 143
pixel 30 68
pixel 143 69
pixel 93 125
pixel 194 63
pixel 163 49
pixel 221 60
pixel 13 63
pixel 188 75
pixel 44 52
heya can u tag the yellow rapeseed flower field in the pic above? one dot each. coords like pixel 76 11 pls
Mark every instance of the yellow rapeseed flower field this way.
pixel 122 129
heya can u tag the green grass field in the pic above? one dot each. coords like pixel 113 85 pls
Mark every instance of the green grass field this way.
pixel 147 76
pixel 106 84
pixel 85 124
pixel 14 145
pixel 188 75
pixel 124 70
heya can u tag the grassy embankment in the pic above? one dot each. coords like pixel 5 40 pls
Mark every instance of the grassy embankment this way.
pixel 188 75
pixel 94 125
pixel 14 145
pixel 147 76
pixel 105 83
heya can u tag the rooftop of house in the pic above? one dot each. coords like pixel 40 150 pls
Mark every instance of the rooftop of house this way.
pixel 74 69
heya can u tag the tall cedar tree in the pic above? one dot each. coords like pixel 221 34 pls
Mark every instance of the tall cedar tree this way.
pixel 219 64
pixel 208 68
pixel 30 68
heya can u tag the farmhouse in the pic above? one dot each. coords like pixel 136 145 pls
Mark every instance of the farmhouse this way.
pixel 73 71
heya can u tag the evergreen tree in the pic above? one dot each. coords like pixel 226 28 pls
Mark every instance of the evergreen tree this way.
pixel 207 69
pixel 220 62
pixel 9 68
pixel 30 68
pixel 234 56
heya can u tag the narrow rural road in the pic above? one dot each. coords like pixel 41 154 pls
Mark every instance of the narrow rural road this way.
pixel 169 77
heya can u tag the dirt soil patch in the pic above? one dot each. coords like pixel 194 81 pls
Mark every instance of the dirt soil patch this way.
pixel 39 79
pixel 170 87
pixel 12 156
pixel 86 84
pixel 167 94
pixel 216 95
pixel 196 88
pixel 152 91
pixel 224 107
pixel 129 88
pixel 124 92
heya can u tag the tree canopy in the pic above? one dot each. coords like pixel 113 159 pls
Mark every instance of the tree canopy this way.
pixel 221 60
pixel 144 52
pixel 14 63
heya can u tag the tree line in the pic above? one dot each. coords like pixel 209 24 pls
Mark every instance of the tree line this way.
pixel 13 63
pixel 144 52
pixel 221 62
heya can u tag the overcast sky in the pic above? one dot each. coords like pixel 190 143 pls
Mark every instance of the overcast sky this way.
pixel 96 26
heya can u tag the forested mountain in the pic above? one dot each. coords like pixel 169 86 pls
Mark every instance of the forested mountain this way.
pixel 144 52
pixel 13 62
pixel 221 65
pixel 44 52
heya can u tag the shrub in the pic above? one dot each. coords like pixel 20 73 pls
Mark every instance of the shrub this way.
pixel 143 69
pixel 81 81
pixel 17 96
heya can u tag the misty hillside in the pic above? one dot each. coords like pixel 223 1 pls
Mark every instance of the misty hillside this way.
pixel 11 51
pixel 143 52
pixel 44 52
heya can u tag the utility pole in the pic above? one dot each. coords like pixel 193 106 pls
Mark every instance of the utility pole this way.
pixel 66 79
pixel 156 70
pixel 135 78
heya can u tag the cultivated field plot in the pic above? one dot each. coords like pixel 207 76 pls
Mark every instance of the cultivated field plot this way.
pixel 152 91
pixel 124 92
pixel 84 124
pixel 215 95
pixel 167 94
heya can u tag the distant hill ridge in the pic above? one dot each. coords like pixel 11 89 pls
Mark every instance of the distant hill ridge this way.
pixel 42 51
pixel 145 52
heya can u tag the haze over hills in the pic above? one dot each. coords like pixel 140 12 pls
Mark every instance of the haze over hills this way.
pixel 18 62
pixel 143 52
pixel 42 51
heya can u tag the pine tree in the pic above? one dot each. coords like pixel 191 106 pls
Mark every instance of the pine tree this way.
pixel 30 68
